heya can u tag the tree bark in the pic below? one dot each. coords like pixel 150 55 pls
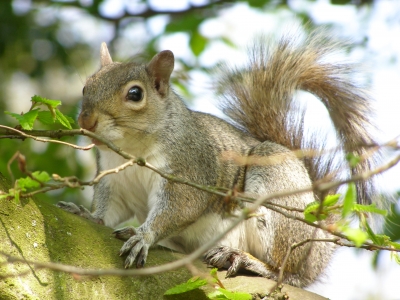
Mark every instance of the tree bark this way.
pixel 37 231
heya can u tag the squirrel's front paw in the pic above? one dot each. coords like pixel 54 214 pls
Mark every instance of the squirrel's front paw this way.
pixel 137 245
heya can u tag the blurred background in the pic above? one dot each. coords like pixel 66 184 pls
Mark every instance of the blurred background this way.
pixel 49 48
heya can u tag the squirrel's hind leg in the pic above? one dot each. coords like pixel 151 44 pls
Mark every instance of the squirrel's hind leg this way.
pixel 236 260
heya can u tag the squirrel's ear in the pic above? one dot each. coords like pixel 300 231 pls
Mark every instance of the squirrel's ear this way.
pixel 105 57
pixel 161 67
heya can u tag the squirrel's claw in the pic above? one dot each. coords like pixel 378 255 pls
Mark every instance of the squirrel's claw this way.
pixel 222 257
pixel 136 245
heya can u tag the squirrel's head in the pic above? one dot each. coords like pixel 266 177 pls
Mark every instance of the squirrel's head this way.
pixel 126 99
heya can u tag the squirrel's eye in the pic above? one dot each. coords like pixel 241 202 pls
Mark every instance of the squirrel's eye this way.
pixel 83 91
pixel 135 94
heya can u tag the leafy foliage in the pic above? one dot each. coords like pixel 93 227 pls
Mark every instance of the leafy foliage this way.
pixel 350 199
pixel 52 116
pixel 34 181
pixel 43 156
pixel 220 292
pixel 319 211
pixel 25 120
pixel 192 284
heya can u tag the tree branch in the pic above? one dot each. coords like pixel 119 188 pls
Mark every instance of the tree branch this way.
pixel 150 12
pixel 245 213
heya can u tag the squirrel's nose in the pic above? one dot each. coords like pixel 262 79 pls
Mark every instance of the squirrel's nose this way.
pixel 87 120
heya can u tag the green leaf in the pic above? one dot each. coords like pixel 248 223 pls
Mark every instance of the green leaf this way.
pixel 392 221
pixel 310 211
pixel 191 284
pixel 257 3
pixel 63 119
pixel 357 236
pixel 228 42
pixel 187 22
pixel 197 43
pixel 29 183
pixel 51 103
pixel 381 239
pixel 42 176
pixel 216 295
pixel 340 2
pixel 353 159
pixel 3 196
pixel 394 245
pixel 214 273
pixel 26 120
pixel 14 193
pixel 378 239
pixel 331 200
pixel 349 199
pixel 370 209
pixel 232 295
pixel 46 117
pixel 70 120
pixel 396 257
pixel 182 89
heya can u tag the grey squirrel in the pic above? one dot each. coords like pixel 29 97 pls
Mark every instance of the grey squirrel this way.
pixel 134 106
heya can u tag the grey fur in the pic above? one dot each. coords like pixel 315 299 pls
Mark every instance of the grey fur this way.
pixel 194 145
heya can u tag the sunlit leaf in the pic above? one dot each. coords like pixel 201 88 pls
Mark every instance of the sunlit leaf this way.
pixel 187 22
pixel 370 209
pixel 232 295
pixel 357 236
pixel 353 159
pixel 350 199
pixel 258 3
pixel 41 176
pixel 396 257
pixel 395 245
pixel 331 200
pixel 191 284
pixel 310 211
pixel 28 182
pixel 63 119
pixel 197 43
pixel 46 117
pixel 26 120
pixel 51 103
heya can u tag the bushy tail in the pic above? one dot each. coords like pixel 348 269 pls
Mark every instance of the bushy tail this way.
pixel 259 98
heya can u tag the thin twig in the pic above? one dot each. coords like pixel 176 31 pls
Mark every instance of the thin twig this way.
pixel 244 214
pixel 25 135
